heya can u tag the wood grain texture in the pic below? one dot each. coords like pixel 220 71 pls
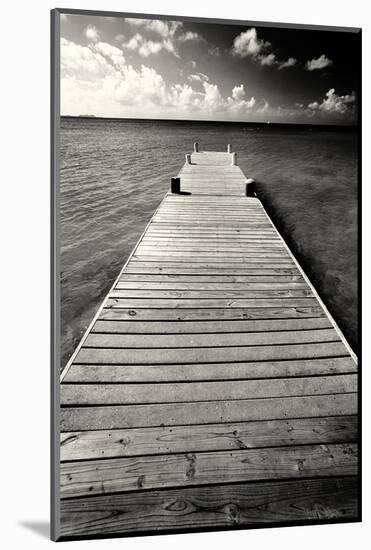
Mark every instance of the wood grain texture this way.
pixel 123 394
pixel 210 437
pixel 198 314
pixel 205 327
pixel 111 417
pixel 110 356
pixel 209 371
pixel 212 390
pixel 221 506
pixel 160 471
pixel 116 340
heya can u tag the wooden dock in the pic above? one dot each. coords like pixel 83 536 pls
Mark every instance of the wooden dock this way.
pixel 213 389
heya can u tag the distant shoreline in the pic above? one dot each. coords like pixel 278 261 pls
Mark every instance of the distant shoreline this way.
pixel 344 127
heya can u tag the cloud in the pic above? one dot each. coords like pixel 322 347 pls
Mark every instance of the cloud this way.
pixel 165 29
pixel 82 62
pixel 334 103
pixel 119 37
pixel 269 59
pixel 147 47
pixel 290 62
pixel 96 79
pixel 247 44
pixel 114 54
pixel 237 103
pixel 198 77
pixel 92 33
pixel 319 63
pixel 238 92
pixel 190 36
pixel 263 107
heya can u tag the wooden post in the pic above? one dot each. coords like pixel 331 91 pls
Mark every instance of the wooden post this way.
pixel 229 148
pixel 195 147
pixel 234 159
pixel 175 185
pixel 188 159
pixel 250 187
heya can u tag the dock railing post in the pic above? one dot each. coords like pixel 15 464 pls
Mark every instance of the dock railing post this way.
pixel 175 185
pixel 229 148
pixel 188 158
pixel 250 187
pixel 195 146
pixel 234 159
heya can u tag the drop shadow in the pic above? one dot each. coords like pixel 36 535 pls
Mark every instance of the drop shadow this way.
pixel 41 528
pixel 182 193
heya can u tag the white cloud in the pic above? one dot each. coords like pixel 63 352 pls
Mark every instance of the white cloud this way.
pixel 81 62
pixel 290 62
pixel 166 29
pixel 147 47
pixel 190 36
pixel 334 103
pixel 248 44
pixel 238 92
pixel 111 52
pixel 96 79
pixel 198 77
pixel 119 37
pixel 319 63
pixel 264 107
pixel 313 106
pixel 92 33
pixel 237 103
pixel 269 59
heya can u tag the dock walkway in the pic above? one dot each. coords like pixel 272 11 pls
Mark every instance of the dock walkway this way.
pixel 213 389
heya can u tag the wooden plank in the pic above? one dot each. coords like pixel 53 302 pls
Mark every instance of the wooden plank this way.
pixel 214 286
pixel 126 394
pixel 221 506
pixel 205 294
pixel 210 270
pixel 205 355
pixel 178 303
pixel 211 279
pixel 210 437
pixel 209 371
pixel 224 261
pixel 205 327
pixel 198 314
pixel 116 340
pixel 210 412
pixel 149 472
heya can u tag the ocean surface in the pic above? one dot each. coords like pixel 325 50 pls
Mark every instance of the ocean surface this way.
pixel 115 173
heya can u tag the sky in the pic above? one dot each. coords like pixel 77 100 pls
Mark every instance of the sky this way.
pixel 168 69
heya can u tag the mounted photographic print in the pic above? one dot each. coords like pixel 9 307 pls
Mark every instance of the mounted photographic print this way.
pixel 205 192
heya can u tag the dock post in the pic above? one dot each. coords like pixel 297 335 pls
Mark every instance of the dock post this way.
pixel 175 185
pixel 229 148
pixel 195 147
pixel 250 187
pixel 188 159
pixel 234 159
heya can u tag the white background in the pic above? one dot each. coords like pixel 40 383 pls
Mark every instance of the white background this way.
pixel 24 192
